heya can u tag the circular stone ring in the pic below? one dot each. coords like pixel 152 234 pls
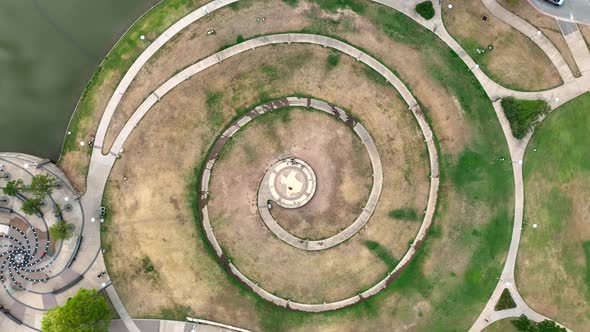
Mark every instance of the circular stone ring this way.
pixel 301 184
pixel 291 182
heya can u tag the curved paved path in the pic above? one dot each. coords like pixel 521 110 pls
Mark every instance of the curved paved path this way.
pixel 231 268
pixel 264 194
pixel 533 34
pixel 555 97
pixel 306 39
pixel 101 164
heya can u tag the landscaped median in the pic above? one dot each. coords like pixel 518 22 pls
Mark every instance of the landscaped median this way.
pixel 524 115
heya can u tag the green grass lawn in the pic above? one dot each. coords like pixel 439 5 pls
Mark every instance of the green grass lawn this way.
pixel 557 183
pixel 504 325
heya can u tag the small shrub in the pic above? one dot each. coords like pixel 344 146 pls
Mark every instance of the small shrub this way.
pixel 425 9
pixel 147 264
pixel 333 60
pixel 61 230
pixel 523 115
pixel 505 301
pixel 524 324
pixel 149 269
pixel 240 39
pixel 404 214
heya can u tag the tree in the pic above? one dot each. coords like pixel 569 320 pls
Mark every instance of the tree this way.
pixel 61 230
pixel 523 323
pixel 87 311
pixel 425 9
pixel 31 205
pixel 549 326
pixel 42 185
pixel 14 187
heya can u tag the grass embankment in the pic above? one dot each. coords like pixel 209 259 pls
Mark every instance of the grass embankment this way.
pixel 523 115
pixel 556 254
pixel 85 118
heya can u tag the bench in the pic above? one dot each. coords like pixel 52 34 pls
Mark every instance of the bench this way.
pixel 11 316
pixel 76 249
pixel 7 210
pixel 72 283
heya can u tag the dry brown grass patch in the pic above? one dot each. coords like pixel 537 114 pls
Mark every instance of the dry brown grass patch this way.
pixel 548 25
pixel 509 62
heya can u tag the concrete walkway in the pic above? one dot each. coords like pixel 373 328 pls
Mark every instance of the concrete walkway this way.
pixel 533 34
pixel 577 45
pixel 264 194
pixel 234 127
pixel 572 87
pixel 101 165
pixel 129 76
pixel 120 308
pixel 192 324
pixel 555 96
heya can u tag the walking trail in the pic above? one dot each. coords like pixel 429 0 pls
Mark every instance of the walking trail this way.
pixel 571 88
pixel 101 164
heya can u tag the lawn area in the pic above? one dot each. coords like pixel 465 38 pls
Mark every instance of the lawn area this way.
pixel 504 325
pixel 449 281
pixel 554 256
pixel 502 52
pixel 546 24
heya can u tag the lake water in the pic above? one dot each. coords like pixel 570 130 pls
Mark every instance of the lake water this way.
pixel 48 51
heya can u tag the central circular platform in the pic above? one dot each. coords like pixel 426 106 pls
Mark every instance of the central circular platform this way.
pixel 292 183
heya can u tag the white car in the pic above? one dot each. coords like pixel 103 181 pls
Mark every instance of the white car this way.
pixel 555 2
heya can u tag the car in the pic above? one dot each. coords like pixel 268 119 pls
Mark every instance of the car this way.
pixel 555 2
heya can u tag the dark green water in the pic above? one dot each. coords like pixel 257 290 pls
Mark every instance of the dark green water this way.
pixel 48 51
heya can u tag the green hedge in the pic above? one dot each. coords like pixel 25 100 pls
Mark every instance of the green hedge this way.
pixel 523 115
pixel 425 9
